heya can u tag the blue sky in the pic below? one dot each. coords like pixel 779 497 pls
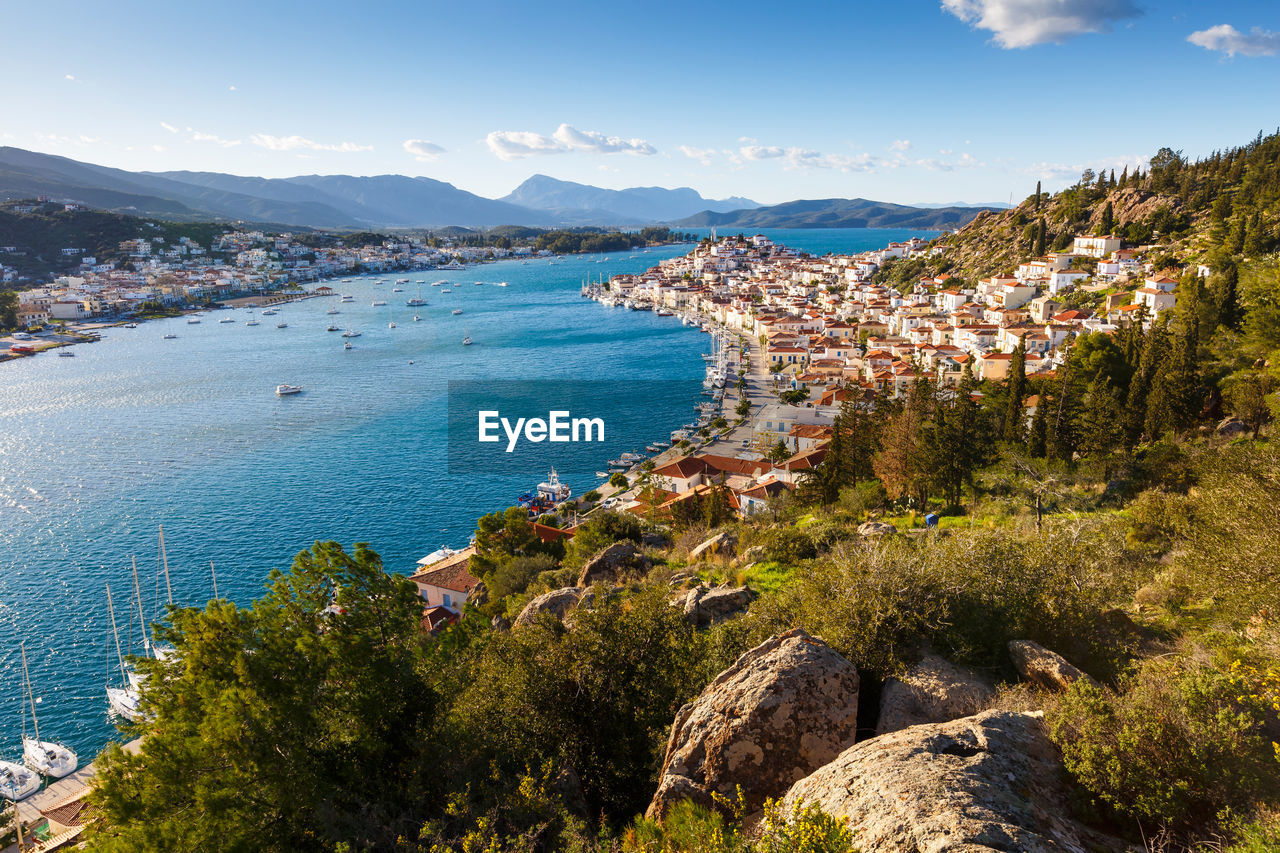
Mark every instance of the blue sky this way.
pixel 914 101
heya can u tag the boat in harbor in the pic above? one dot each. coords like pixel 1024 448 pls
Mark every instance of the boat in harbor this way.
pixel 417 319
pixel 170 336
pixel 416 301
pixel 131 325
pixel 457 311
pixel 288 390
pixel 446 290
pixel 332 328
pixel 503 284
pixel 397 290
pixel 66 353
pixel 466 340
pixel 45 757
pixel 282 325
pixel 270 312
pixel 123 701
pixel 17 782
pixel 554 490
pixel 347 298
pixel 227 320
pixel 351 333
pixel 333 311
pixel 253 321
pixel 378 303
pixel 347 345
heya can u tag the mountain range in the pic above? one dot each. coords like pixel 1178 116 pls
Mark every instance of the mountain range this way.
pixel 398 201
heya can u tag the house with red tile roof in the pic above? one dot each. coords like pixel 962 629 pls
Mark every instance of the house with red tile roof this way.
pixel 447 583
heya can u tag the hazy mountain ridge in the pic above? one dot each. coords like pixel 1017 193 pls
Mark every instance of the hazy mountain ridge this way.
pixel 599 206
pixel 834 213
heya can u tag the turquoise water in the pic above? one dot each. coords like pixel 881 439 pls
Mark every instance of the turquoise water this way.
pixel 98 450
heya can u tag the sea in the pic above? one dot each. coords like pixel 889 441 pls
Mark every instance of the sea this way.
pixel 138 431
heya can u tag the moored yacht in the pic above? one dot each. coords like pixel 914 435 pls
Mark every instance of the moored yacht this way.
pixel 287 390
pixel 50 759
pixel 17 782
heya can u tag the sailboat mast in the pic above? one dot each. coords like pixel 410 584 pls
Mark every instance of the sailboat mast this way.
pixel 164 558
pixel 142 618
pixel 116 633
pixel 26 675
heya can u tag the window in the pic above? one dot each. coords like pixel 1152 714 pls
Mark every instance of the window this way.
pixel 448 602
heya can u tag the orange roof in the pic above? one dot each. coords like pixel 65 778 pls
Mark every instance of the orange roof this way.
pixel 450 573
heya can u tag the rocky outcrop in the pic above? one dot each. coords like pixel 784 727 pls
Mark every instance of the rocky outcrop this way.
pixel 784 709
pixel 557 602
pixel 1049 670
pixel 612 563
pixel 706 606
pixel 722 544
pixel 1232 428
pixel 933 691
pixel 983 783
pixel 869 529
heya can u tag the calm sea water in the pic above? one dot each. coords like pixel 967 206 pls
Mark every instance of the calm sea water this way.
pixel 98 450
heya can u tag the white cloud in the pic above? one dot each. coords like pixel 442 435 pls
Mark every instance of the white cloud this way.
pixel 964 161
pixel 168 127
pixel 422 150
pixel 1023 23
pixel 296 143
pixel 900 145
pixel 1072 171
pixel 68 77
pixel 231 88
pixel 598 143
pixel 1229 40
pixel 761 152
pixel 518 144
pixel 157 148
pixel 197 136
pixel 55 139
pixel 702 155
pixel 805 158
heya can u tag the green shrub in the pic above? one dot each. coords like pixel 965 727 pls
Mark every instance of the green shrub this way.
pixel 601 530
pixel 515 574
pixel 786 544
pixel 1179 743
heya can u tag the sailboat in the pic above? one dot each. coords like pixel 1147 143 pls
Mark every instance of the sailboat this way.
pixel 466 339
pixel 391 315
pixel 124 701
pixel 253 320
pixel 417 300
pixel 17 782
pixel 45 757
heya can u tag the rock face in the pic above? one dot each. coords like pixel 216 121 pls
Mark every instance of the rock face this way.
pixel 876 528
pixel 558 601
pixel 1048 669
pixel 610 564
pixel 1232 427
pixel 784 709
pixel 703 606
pixel 983 783
pixel 722 543
pixel 933 691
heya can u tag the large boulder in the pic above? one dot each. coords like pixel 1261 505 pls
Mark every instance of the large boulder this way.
pixel 872 529
pixel 933 691
pixel 722 543
pixel 782 710
pixel 610 564
pixel 1049 670
pixel 704 607
pixel 557 602
pixel 1232 427
pixel 983 783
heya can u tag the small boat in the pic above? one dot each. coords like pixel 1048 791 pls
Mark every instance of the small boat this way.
pixel 131 325
pixel 391 325
pixel 446 290
pixel 554 490
pixel 503 284
pixel 282 325
pixel 457 311
pixel 287 390
pixel 333 311
pixel 253 323
pixel 417 319
pixel 415 302
pixel 332 328
pixel 227 320
pixel 191 321
pixel 377 303
pixel 347 345
pixel 351 333
pixel 347 298
pixel 602 474
pixel 270 312
pixel 66 354
pixel 170 336
pixel 123 701
pixel 17 782
pixel 438 283
pixel 466 341
pixel 479 282
pixel 397 290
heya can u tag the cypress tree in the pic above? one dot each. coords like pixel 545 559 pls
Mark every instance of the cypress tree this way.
pixel 1108 220
pixel 1154 350
pixel 1100 427
pixel 1037 441
pixel 1013 417
pixel 1040 239
pixel 1037 196
pixel 1124 176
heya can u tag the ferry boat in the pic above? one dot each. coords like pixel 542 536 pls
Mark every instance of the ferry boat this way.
pixel 288 390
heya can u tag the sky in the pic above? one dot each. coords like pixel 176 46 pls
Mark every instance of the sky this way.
pixel 917 101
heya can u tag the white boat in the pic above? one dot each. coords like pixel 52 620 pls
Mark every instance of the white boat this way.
pixel 503 284
pixel 351 333
pixel 191 321
pixel 438 283
pixel 446 290
pixel 286 390
pixel 282 325
pixel 123 701
pixel 333 311
pixel 45 757
pixel 397 290
pixel 270 312
pixel 227 320
pixel 66 354
pixel 377 303
pixel 347 345
pixel 602 474
pixel 253 323
pixel 554 490
pixel 457 311
pixel 466 341
pixel 347 298
pixel 17 782
pixel 417 319
pixel 331 328
pixel 391 325
pixel 170 336
pixel 131 325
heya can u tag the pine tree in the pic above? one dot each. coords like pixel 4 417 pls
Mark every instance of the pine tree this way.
pixel 1124 176
pixel 1154 351
pixel 1111 184
pixel 1061 439
pixel 1100 427
pixel 1013 416
pixel 1038 440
